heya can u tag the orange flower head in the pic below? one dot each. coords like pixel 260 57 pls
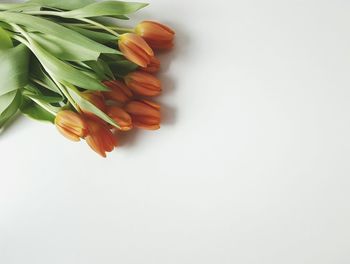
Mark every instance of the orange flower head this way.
pixel 100 138
pixel 135 49
pixel 143 83
pixel 144 114
pixel 122 118
pixel 153 67
pixel 71 125
pixel 157 35
pixel 119 91
pixel 97 100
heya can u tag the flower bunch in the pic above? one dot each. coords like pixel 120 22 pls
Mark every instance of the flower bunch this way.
pixel 61 62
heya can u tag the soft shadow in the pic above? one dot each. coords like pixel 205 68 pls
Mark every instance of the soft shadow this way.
pixel 168 114
pixel 128 139
pixel 168 84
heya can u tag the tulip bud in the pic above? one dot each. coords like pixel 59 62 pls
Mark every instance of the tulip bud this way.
pixel 157 35
pixel 71 125
pixel 100 138
pixel 119 91
pixel 144 114
pixel 122 118
pixel 153 67
pixel 97 100
pixel 143 83
pixel 135 49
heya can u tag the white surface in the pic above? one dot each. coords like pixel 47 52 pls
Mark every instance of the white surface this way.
pixel 251 165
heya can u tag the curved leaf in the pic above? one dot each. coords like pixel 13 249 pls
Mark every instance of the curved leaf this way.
pixel 63 4
pixel 64 72
pixel 11 108
pixel 63 49
pixel 107 8
pixel 14 68
pixel 100 37
pixel 48 27
pixel 35 111
pixel 5 40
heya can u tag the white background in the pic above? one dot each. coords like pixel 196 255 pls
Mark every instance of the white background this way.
pixel 251 165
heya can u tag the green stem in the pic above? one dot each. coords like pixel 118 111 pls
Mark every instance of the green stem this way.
pixel 89 26
pixel 44 13
pixel 46 107
pixel 67 95
pixel 99 25
pixel 41 83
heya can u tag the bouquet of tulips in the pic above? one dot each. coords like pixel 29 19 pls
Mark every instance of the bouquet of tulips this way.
pixel 65 62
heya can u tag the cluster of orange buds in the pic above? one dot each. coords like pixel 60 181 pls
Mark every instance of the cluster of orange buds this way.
pixel 125 101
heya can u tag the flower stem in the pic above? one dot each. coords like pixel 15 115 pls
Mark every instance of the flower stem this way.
pixel 43 106
pixel 99 25
pixel 90 26
pixel 67 95
pixel 44 13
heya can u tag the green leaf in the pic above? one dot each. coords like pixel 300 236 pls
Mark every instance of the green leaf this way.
pixel 13 68
pixel 100 37
pixel 13 102
pixel 63 49
pixel 48 27
pixel 63 4
pixel 39 75
pixel 35 111
pixel 122 67
pixel 34 91
pixel 19 7
pixel 5 40
pixel 107 8
pixel 101 69
pixel 6 100
pixel 89 107
pixel 64 72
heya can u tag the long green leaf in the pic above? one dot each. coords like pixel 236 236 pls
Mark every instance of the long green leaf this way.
pixel 34 91
pixel 101 69
pixel 107 8
pixel 39 75
pixel 12 107
pixel 14 64
pixel 63 4
pixel 20 6
pixel 5 40
pixel 35 111
pixel 48 27
pixel 6 100
pixel 63 72
pixel 100 37
pixel 64 50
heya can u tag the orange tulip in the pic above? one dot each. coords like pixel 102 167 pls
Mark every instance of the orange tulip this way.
pixel 97 100
pixel 100 138
pixel 144 114
pixel 157 35
pixel 143 83
pixel 119 91
pixel 71 125
pixel 135 49
pixel 122 118
pixel 153 67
